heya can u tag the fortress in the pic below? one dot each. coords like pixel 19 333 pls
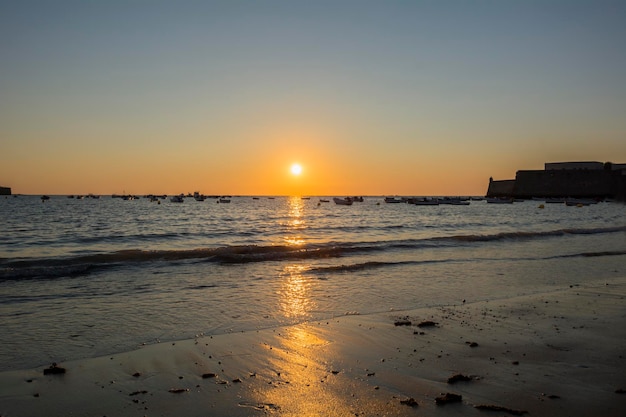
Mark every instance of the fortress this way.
pixel 5 191
pixel 565 179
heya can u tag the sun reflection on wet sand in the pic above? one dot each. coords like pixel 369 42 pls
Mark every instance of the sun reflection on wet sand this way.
pixel 301 380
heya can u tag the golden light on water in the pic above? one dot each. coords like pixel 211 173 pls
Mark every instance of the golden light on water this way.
pixel 302 382
pixel 295 301
pixel 295 222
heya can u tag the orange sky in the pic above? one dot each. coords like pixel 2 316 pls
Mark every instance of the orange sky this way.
pixel 406 98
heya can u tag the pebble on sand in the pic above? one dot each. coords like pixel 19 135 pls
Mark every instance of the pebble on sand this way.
pixel 54 370
pixel 448 398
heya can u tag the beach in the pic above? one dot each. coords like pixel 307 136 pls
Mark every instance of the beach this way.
pixel 558 353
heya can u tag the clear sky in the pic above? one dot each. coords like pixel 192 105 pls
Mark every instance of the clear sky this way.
pixel 414 97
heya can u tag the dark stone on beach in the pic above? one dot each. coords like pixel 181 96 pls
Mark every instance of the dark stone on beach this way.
pixel 427 323
pixel 137 374
pixel 402 323
pixel 178 390
pixel 209 375
pixel 502 409
pixel 472 344
pixel 137 393
pixel 54 370
pixel 458 378
pixel 620 391
pixel 410 402
pixel 448 398
pixel 237 380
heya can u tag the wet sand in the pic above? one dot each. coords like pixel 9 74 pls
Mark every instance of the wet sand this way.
pixel 561 353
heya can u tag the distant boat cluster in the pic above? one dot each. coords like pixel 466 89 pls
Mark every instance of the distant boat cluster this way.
pixel 348 201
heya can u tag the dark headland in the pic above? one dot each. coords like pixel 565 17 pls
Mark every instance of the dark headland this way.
pixel 565 179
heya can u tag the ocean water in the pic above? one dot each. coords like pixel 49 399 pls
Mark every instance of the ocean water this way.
pixel 92 277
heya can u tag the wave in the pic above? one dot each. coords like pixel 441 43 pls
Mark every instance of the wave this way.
pixel 34 268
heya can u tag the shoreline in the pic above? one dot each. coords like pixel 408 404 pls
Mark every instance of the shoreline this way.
pixel 550 353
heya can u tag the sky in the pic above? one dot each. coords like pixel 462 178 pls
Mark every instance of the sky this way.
pixel 421 97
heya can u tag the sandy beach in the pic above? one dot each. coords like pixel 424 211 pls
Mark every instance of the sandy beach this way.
pixel 560 353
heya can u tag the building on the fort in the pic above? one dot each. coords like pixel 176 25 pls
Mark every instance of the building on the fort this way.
pixel 565 179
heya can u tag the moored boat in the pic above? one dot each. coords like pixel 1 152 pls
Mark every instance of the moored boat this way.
pixel 498 200
pixel 343 201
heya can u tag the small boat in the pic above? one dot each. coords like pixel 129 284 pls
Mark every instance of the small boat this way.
pixel 424 202
pixel 177 199
pixel 498 200
pixel 554 200
pixel 343 201
pixel 579 202
pixel 45 198
pixel 224 200
pixel 322 200
pixel 393 200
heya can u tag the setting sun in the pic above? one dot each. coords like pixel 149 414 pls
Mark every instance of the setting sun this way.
pixel 296 169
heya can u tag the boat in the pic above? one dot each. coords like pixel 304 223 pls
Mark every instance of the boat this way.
pixel 497 200
pixel 343 201
pixel 554 200
pixel 393 200
pixel 199 197
pixel 424 201
pixel 177 199
pixel 323 200
pixel 45 198
pixel 224 200
pixel 579 202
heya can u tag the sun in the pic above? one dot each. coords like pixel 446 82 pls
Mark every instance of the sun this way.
pixel 296 169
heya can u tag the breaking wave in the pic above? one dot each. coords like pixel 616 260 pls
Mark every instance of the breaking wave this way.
pixel 35 268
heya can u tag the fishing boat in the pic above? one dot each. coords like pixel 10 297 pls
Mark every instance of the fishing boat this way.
pixel 177 199
pixel 343 201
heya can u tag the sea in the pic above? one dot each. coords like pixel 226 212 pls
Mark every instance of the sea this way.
pixel 82 278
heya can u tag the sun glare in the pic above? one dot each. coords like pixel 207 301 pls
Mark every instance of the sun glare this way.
pixel 296 169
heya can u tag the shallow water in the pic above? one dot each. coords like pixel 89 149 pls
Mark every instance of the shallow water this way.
pixel 83 278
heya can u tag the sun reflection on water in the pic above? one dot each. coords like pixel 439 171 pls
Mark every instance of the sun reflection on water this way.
pixel 299 379
pixel 296 222
pixel 294 292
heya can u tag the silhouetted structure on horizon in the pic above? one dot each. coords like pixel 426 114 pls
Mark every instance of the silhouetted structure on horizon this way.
pixel 565 179
pixel 5 190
